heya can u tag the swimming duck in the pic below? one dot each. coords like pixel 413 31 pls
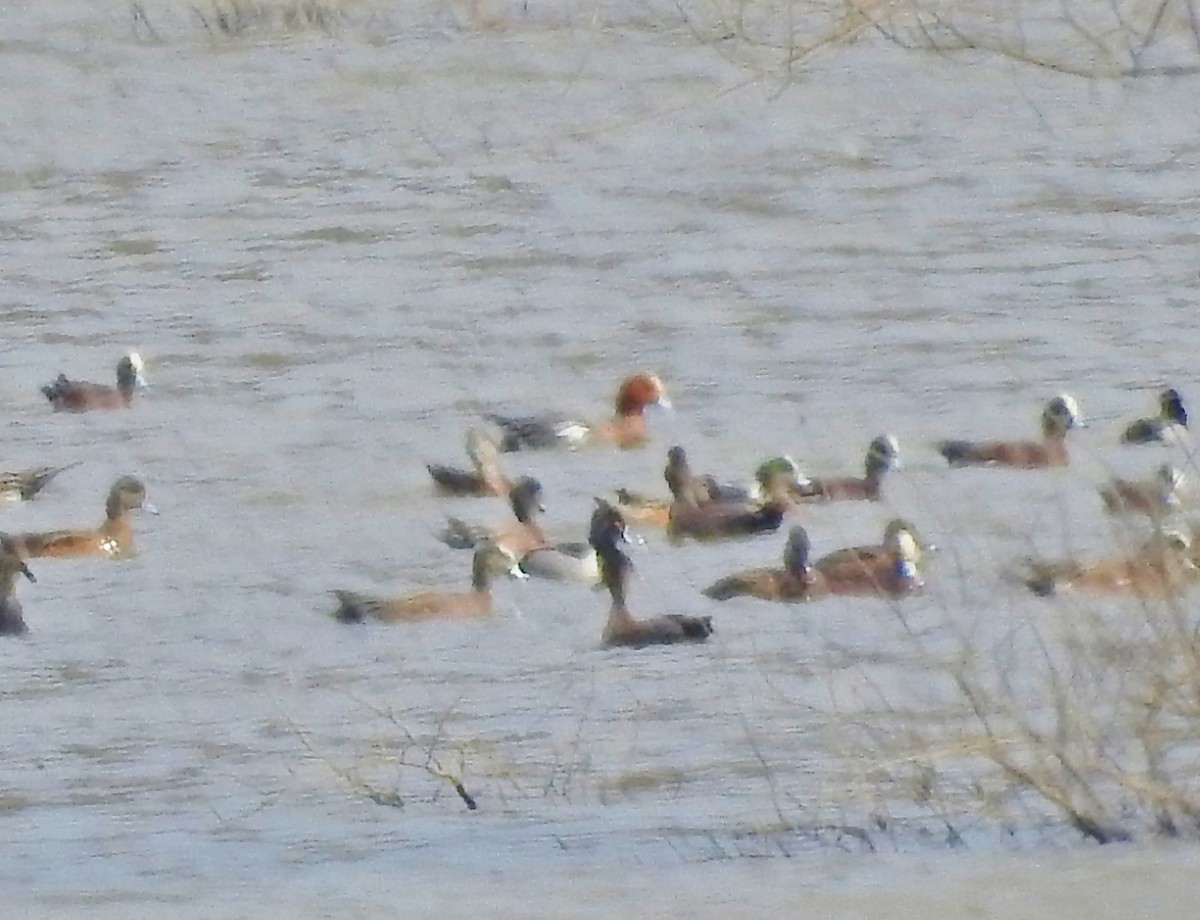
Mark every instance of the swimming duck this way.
pixel 627 428
pixel 1060 415
pixel 693 515
pixel 26 484
pixel 1163 567
pixel 12 623
pixel 776 477
pixel 113 538
pixel 606 531
pixel 1169 425
pixel 488 560
pixel 879 560
pixel 1156 498
pixel 796 581
pixel 890 570
pixel 485 479
pixel 642 509
pixel 883 454
pixel 78 396
pixel 538 556
pixel 525 499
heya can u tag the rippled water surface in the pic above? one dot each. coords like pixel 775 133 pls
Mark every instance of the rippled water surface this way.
pixel 337 248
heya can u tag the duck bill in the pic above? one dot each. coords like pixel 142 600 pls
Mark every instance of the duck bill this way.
pixel 149 508
pixel 140 382
pixel 28 574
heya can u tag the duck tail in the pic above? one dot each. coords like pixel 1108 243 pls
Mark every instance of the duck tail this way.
pixel 35 480
pixel 1041 578
pixel 724 589
pixel 954 451
pixel 352 608
pixel 458 534
pixel 768 518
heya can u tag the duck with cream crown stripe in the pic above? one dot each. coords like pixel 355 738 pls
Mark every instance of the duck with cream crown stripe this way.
pixel 67 395
pixel 1060 416
pixel 883 455
pixel 890 570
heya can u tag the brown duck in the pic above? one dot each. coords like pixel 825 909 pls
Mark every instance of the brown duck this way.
pixel 1060 416
pixel 1155 498
pixel 794 582
pixel 878 559
pixel 67 395
pixel 626 428
pixel 113 538
pixel 883 455
pixel 606 532
pixel 693 515
pixel 1163 567
pixel 488 560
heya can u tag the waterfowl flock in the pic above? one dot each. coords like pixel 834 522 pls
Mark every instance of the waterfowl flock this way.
pixel 700 508
pixel 706 507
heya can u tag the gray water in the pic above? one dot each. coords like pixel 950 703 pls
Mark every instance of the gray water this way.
pixel 337 249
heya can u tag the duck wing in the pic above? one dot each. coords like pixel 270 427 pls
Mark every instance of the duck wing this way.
pixel 538 432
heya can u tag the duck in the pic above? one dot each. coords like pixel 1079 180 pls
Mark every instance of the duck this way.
pixel 879 560
pixel 79 396
pixel 12 623
pixel 489 559
pixel 24 485
pixel 486 478
pixel 797 580
pixel 1163 567
pixel 883 454
pixel 113 538
pixel 890 570
pixel 626 429
pixel 1169 426
pixel 774 477
pixel 525 499
pixel 1060 416
pixel 606 531
pixel 537 555
pixel 1155 498
pixel 693 516
pixel 643 509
